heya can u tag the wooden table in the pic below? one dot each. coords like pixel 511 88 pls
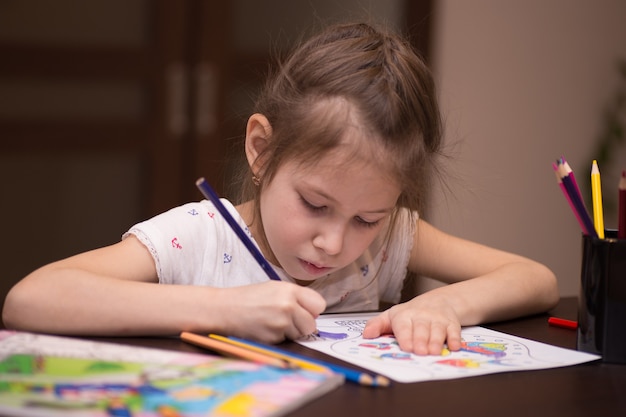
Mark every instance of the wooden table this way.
pixel 592 389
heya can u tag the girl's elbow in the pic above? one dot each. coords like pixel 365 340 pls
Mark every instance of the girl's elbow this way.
pixel 550 287
pixel 16 307
pixel 10 311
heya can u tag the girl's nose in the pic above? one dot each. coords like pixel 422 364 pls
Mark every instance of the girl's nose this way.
pixel 330 239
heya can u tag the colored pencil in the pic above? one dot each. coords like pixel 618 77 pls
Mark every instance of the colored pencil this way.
pixel 266 350
pixel 621 228
pixel 567 197
pixel 211 195
pixel 564 323
pixel 229 349
pixel 352 375
pixel 576 201
pixel 570 173
pixel 596 193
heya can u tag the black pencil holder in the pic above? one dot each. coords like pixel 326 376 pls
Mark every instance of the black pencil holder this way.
pixel 602 301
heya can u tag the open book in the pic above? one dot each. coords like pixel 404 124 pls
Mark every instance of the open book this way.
pixel 44 375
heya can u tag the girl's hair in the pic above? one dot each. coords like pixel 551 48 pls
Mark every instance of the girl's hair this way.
pixel 383 80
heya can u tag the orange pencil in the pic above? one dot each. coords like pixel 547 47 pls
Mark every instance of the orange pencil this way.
pixel 310 366
pixel 234 351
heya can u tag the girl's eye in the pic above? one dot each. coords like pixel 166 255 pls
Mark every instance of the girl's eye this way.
pixel 310 206
pixel 318 209
pixel 365 223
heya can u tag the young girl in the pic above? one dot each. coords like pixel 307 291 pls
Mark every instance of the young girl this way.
pixel 339 151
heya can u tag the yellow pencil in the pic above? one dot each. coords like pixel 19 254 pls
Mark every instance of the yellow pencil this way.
pixel 235 351
pixel 295 362
pixel 596 194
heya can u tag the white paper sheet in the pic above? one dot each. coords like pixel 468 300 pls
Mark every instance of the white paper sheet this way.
pixel 484 351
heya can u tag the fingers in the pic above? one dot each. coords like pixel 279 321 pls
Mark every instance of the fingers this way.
pixel 311 301
pixel 310 305
pixel 272 311
pixel 377 326
pixel 301 312
pixel 430 338
pixel 420 334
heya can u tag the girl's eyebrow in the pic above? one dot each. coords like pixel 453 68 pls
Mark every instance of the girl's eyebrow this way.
pixel 330 198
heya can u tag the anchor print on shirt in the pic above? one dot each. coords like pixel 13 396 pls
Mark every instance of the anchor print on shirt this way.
pixel 176 244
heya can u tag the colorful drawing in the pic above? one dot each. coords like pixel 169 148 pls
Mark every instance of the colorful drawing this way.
pixel 330 335
pixel 483 351
pixel 45 375
pixel 496 350
pixel 459 363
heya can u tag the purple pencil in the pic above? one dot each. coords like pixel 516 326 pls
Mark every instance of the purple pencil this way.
pixel 576 201
pixel 570 173
pixel 567 197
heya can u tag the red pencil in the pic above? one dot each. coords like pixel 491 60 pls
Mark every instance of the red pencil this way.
pixel 564 323
pixel 621 228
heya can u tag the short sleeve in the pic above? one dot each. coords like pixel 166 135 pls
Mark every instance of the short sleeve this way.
pixel 193 245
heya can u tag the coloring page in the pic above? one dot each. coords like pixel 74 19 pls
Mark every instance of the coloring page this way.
pixel 483 351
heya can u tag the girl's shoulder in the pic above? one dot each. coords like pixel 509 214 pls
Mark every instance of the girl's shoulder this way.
pixel 192 243
pixel 195 212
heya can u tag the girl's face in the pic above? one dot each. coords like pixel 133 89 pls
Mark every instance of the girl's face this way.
pixel 321 217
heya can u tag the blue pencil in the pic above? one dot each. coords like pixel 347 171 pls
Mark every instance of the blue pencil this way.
pixel 211 195
pixel 350 374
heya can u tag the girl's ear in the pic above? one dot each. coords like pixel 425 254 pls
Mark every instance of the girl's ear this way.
pixel 258 135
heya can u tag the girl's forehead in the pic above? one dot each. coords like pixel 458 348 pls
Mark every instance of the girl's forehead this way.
pixel 350 157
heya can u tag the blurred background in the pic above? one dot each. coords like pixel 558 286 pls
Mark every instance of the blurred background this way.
pixel 110 109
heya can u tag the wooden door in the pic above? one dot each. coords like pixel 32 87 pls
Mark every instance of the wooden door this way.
pixel 97 128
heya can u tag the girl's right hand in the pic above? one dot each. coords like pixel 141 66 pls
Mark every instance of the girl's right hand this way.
pixel 272 311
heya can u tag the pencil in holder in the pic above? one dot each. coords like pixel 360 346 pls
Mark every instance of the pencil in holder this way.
pixel 602 300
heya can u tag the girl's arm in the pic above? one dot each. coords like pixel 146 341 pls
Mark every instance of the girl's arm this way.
pixel 114 291
pixel 486 285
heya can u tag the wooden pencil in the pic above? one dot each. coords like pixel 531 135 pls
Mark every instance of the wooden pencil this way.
pixel 352 375
pixel 577 203
pixel 295 362
pixel 567 197
pixel 212 196
pixel 231 350
pixel 596 192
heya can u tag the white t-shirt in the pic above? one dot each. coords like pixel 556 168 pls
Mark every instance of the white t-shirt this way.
pixel 193 245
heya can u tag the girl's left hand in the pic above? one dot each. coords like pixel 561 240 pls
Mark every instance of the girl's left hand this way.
pixel 422 325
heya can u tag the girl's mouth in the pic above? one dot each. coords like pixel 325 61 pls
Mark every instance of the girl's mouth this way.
pixel 313 269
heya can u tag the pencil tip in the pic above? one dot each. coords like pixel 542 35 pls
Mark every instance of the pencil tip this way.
pixel 365 379
pixel 374 381
pixel 381 381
